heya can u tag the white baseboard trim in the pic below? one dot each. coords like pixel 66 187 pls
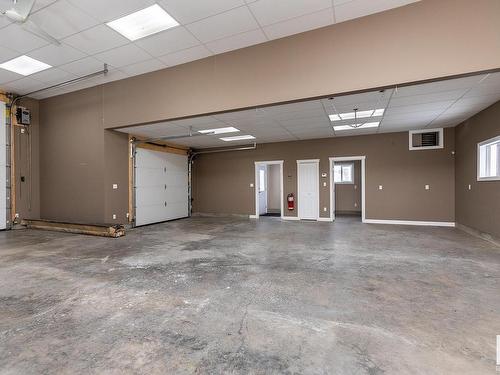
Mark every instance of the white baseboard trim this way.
pixel 409 222
pixel 329 219
pixel 290 218
pixel 253 217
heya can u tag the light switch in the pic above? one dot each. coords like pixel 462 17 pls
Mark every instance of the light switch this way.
pixel 470 187
pixel 427 187
pixel 324 184
pixel 380 187
pixel 115 186
pixel 355 187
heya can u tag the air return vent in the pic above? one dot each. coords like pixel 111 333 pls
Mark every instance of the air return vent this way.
pixel 426 139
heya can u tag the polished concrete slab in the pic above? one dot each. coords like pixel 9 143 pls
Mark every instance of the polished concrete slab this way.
pixel 233 296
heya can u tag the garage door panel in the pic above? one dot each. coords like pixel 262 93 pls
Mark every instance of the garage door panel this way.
pixel 161 181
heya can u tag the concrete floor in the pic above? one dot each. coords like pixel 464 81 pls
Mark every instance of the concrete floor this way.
pixel 231 296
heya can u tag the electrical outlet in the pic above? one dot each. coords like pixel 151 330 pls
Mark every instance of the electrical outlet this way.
pixel 324 209
pixel 115 186
pixel 128 215
pixel 380 187
pixel 114 216
pixel 355 205
pixel 355 187
pixel 324 184
pixel 427 187
pixel 251 185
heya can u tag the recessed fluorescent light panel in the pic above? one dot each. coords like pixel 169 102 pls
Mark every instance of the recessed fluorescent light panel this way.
pixel 237 138
pixel 229 129
pixel 360 114
pixel 143 23
pixel 24 65
pixel 359 126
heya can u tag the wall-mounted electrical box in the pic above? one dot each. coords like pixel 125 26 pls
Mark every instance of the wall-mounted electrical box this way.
pixel 23 116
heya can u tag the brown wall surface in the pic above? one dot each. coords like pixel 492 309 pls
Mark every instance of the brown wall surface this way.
pixel 273 188
pixel 348 196
pixel 28 191
pixel 478 208
pixel 222 181
pixel 80 161
pixel 423 40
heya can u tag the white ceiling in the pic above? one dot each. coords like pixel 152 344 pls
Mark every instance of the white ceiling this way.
pixel 432 105
pixel 207 27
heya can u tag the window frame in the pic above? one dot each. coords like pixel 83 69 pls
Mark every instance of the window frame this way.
pixel 478 164
pixel 342 164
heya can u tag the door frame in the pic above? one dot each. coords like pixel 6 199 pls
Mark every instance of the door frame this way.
pixel 332 185
pixel 306 161
pixel 256 185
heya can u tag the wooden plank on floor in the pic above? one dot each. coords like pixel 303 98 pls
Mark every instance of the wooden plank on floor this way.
pixel 102 230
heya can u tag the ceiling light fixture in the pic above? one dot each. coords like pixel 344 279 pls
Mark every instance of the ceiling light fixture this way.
pixel 145 22
pixel 237 138
pixel 366 125
pixel 24 65
pixel 229 129
pixel 357 114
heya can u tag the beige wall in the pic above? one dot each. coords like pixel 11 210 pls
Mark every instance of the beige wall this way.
pixel 423 40
pixel 478 208
pixel 273 188
pixel 222 181
pixel 348 196
pixel 28 191
pixel 80 162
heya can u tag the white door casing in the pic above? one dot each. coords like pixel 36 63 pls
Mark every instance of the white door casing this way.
pixel 3 167
pixel 161 186
pixel 308 189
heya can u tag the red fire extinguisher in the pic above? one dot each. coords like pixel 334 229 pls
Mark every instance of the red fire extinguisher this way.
pixel 291 202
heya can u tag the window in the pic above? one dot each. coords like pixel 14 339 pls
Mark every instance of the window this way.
pixel 488 160
pixel 343 173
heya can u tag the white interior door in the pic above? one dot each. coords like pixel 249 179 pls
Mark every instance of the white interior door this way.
pixel 161 191
pixel 3 168
pixel 308 190
pixel 263 190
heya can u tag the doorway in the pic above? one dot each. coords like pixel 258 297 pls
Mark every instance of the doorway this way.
pixel 347 187
pixel 308 189
pixel 268 189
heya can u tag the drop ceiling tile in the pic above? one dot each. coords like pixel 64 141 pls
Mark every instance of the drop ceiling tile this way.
pixel 122 56
pixel 300 24
pixel 269 12
pixel 237 41
pixel 4 22
pixel 168 41
pixel 97 39
pixel 223 25
pixel 84 66
pixel 188 11
pixel 360 8
pixel 23 86
pixel 56 55
pixel 110 10
pixel 441 86
pixel 426 98
pixel 16 38
pixel 185 56
pixel 8 76
pixel 39 4
pixel 408 109
pixel 298 115
pixel 62 19
pixel 7 54
pixel 112 75
pixel 485 89
pixel 53 76
pixel 143 67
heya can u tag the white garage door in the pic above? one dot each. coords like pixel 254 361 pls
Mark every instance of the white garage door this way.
pixel 161 181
